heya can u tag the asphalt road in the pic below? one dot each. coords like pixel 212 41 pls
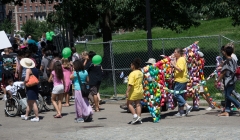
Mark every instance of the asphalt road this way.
pixel 112 123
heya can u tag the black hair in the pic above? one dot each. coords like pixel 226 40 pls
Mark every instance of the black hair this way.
pixel 48 53
pixel 55 53
pixel 222 48
pixel 228 50
pixel 58 70
pixel 91 54
pixel 74 50
pixel 136 62
pixel 33 47
pixel 78 65
pixel 28 53
pixel 43 44
pixel 21 53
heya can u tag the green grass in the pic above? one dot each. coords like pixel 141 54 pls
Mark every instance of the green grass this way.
pixel 125 51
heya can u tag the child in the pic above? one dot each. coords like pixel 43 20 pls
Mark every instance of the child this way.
pixel 82 106
pixel 58 87
pixel 134 91
pixel 67 71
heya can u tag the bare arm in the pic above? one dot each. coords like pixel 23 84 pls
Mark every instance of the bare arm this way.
pixel 50 78
pixel 28 73
pixel 128 89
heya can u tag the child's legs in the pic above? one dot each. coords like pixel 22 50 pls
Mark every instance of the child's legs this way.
pixel 66 95
pixel 59 100
pixel 130 107
pixel 29 107
pixel 55 103
pixel 138 107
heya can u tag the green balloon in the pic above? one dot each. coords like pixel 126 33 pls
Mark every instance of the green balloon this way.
pixel 47 33
pixel 48 37
pixel 52 33
pixel 97 59
pixel 66 52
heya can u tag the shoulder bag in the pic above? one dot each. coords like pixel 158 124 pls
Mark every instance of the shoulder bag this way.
pixel 84 86
pixel 32 81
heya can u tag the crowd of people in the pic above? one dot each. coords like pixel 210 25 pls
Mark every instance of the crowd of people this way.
pixel 227 77
pixel 64 75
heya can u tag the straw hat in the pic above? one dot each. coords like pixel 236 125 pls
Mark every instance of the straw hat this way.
pixel 151 61
pixel 27 63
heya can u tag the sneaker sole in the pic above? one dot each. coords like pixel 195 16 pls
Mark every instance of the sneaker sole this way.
pixel 136 120
pixel 189 110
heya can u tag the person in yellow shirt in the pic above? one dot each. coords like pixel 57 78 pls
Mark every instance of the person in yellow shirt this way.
pixel 134 91
pixel 181 78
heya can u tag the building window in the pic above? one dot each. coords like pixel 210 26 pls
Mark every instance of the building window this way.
pixel 25 1
pixel 30 8
pixel 44 7
pixel 50 7
pixel 36 9
pixel 31 16
pixel 20 18
pixel 26 18
pixel 36 17
pixel 25 8
pixel 40 8
pixel 20 9
pixel 20 26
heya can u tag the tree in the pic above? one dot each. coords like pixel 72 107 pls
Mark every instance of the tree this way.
pixel 35 28
pixel 7 26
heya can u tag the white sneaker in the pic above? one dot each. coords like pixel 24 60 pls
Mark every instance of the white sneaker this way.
pixel 136 119
pixel 210 108
pixel 24 117
pixel 4 99
pixel 179 115
pixel 35 119
pixel 188 110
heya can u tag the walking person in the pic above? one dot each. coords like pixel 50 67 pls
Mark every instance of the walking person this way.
pixel 82 106
pixel 67 71
pixel 228 76
pixel 32 92
pixel 58 88
pixel 135 91
pixel 180 78
pixel 95 78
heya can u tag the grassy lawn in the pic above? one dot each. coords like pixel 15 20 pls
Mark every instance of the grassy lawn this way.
pixel 127 46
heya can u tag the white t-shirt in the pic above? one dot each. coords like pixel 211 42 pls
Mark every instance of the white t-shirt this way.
pixel 12 89
pixel 234 57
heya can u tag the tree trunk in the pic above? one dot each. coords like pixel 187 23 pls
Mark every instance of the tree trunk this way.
pixel 107 36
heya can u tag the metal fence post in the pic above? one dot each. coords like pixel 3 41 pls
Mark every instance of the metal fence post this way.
pixel 113 69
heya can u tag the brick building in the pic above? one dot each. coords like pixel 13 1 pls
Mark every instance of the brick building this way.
pixel 29 10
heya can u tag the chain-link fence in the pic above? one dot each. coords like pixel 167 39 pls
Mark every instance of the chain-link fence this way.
pixel 118 55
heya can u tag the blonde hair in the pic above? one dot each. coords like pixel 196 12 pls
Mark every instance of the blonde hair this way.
pixel 84 53
pixel 66 63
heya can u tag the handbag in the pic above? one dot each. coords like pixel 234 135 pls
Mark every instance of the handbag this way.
pixel 32 81
pixel 84 87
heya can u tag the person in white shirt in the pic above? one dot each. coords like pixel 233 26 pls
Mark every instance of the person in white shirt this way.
pixel 11 89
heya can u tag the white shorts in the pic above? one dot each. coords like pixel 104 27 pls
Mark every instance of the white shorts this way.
pixel 58 89
pixel 201 89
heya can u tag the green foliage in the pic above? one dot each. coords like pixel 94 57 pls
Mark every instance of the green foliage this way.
pixel 7 26
pixel 35 28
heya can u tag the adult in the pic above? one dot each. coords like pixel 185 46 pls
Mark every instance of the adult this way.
pixel 180 78
pixel 82 106
pixel 95 78
pixel 134 91
pixel 46 60
pixel 32 92
pixel 228 76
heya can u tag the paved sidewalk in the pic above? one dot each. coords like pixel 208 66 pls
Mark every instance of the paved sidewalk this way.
pixel 112 123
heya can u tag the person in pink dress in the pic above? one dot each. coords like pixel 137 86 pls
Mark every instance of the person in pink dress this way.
pixel 67 71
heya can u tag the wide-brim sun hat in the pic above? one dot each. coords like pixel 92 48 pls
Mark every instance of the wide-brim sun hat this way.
pixel 27 63
pixel 151 61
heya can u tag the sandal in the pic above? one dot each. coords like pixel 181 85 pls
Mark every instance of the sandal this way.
pixel 65 105
pixel 97 110
pixel 58 116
